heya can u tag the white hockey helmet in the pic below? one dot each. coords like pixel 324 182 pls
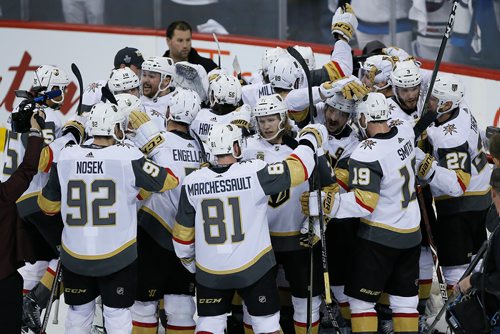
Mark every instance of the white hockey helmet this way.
pixel 406 74
pixel 184 105
pixel 128 103
pixel 269 58
pixel 163 65
pixel 375 108
pixel 448 87
pixel 339 102
pixel 49 76
pixel 225 89
pixel 271 105
pixel 286 73
pixel 215 73
pixel 376 69
pixel 122 80
pixel 103 118
pixel 221 139
pixel 308 54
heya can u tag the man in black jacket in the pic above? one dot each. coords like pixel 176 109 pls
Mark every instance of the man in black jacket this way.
pixel 11 282
pixel 179 46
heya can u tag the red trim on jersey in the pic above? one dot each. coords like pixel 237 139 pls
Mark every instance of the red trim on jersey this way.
pixel 139 197
pixel 303 166
pixel 344 304
pixel 339 69
pixel 49 163
pixel 405 315
pixel 183 242
pixel 301 324
pixel 247 325
pixel 181 328
pixel 50 271
pixel 425 281
pixel 169 171
pixel 144 324
pixel 363 315
pixel 363 205
pixel 462 185
pixel 343 185
pixel 26 291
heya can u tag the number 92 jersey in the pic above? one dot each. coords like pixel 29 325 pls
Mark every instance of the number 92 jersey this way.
pixel 95 189
pixel 382 183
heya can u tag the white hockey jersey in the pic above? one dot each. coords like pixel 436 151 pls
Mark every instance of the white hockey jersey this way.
pixel 93 94
pixel 157 215
pixel 13 155
pixel 222 218
pixel 157 109
pixel 382 183
pixel 250 94
pixel 463 183
pixel 284 213
pixel 205 119
pixel 95 189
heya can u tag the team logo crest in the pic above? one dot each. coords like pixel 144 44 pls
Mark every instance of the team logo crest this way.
pixel 94 86
pixel 450 129
pixel 260 155
pixel 120 291
pixel 391 107
pixel 127 59
pixel 262 299
pixel 368 143
pixel 156 113
pixel 395 122
pixel 276 147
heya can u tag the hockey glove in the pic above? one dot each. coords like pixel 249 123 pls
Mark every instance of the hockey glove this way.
pixel 398 54
pixel 146 135
pixel 344 22
pixel 189 263
pixel 305 234
pixel 354 90
pixel 316 134
pixel 76 129
pixel 309 201
pixel 426 164
pixel 242 116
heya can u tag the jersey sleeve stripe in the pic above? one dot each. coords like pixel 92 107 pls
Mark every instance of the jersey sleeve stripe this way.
pixel 47 206
pixel 46 158
pixel 171 181
pixel 298 171
pixel 366 199
pixel 342 176
pixel 463 179
pixel 182 234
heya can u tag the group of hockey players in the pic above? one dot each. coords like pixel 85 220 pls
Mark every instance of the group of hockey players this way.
pixel 188 193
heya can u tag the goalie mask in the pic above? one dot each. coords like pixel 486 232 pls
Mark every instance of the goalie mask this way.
pixel 225 89
pixel 268 106
pixel 124 80
pixel 447 88
pixel 162 65
pixel 104 117
pixel 47 78
pixel 183 106
pixel 286 74
pixel 221 139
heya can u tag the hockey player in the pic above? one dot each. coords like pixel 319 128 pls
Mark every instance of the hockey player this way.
pixel 387 247
pixel 161 274
pixel 274 142
pixel 221 229
pixel 224 95
pixel 375 73
pixel 458 174
pixel 124 81
pixel 157 82
pixel 94 187
pixel 45 78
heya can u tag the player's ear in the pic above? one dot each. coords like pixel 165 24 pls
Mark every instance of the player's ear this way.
pixel 237 149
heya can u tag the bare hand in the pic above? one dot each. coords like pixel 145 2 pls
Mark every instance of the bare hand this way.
pixel 464 285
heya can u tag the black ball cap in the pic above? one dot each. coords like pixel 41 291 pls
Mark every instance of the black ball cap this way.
pixel 373 48
pixel 128 56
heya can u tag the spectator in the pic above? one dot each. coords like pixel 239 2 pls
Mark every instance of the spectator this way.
pixel 179 46
pixel 83 11
pixel 495 149
pixel 129 57
pixel 11 282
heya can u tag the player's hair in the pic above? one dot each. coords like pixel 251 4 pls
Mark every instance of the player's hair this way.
pixel 495 146
pixel 495 180
pixel 177 25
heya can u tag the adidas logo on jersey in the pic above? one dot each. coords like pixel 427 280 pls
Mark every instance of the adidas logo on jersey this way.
pixel 89 155
pixel 190 145
pixel 400 140
pixel 214 119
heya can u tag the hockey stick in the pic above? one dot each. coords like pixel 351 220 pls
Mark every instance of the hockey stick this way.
pixel 467 272
pixel 203 158
pixel 108 95
pixel 78 75
pixel 427 116
pixel 432 245
pixel 54 291
pixel 218 45
pixel 55 320
pixel 316 186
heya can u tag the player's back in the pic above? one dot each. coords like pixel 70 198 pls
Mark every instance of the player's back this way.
pixel 205 119
pixel 233 247
pixel 98 196
pixel 390 159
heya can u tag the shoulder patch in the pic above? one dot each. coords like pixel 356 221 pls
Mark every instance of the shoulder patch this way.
pixel 395 122
pixel 367 143
pixel 449 129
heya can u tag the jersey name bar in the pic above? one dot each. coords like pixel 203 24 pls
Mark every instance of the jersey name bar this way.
pixel 219 186
pixel 186 155
pixel 89 167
